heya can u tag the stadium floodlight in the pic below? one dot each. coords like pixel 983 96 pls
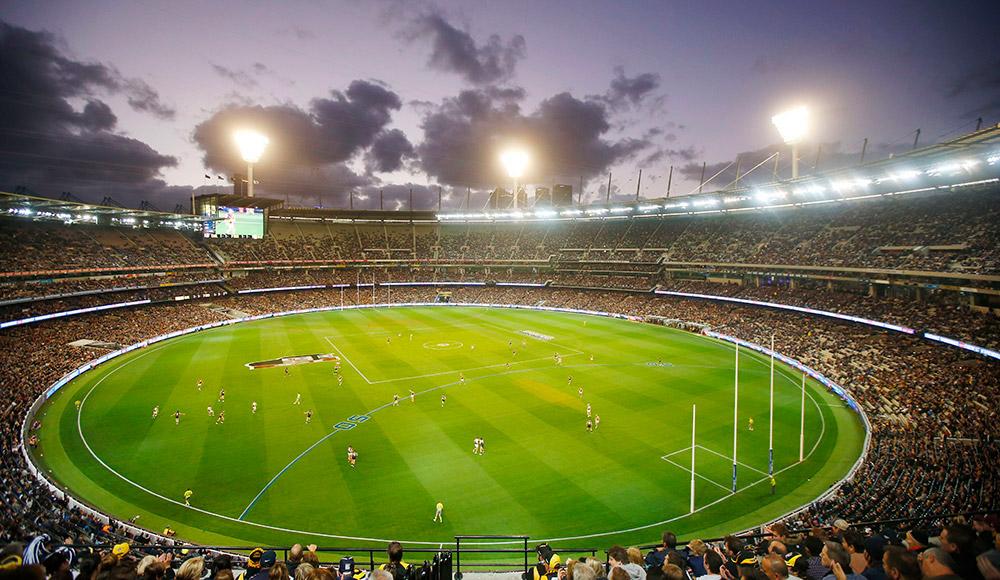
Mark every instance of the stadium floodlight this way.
pixel 514 161
pixel 251 145
pixel 793 125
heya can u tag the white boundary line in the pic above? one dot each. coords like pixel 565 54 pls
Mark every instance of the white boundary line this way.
pixel 318 534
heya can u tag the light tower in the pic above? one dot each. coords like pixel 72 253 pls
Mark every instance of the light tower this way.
pixel 515 161
pixel 793 125
pixel 251 144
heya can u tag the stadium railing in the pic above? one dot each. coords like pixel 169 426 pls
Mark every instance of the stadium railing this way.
pixel 520 558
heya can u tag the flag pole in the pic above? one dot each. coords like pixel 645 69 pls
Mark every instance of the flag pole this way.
pixel 694 413
pixel 770 419
pixel 736 399
pixel 802 424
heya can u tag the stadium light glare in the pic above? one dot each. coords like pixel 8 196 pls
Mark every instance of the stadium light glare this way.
pixel 515 161
pixel 793 125
pixel 251 145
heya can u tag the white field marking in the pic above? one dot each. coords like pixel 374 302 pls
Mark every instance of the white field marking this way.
pixel 344 356
pixel 714 452
pixel 450 372
pixel 342 537
pixel 688 470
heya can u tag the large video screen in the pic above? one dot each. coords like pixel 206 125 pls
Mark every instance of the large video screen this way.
pixel 236 222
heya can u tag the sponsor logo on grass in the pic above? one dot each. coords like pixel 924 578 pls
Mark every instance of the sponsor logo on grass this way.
pixel 443 345
pixel 536 335
pixel 287 361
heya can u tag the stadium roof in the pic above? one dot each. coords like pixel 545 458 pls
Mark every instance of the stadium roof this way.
pixel 43 208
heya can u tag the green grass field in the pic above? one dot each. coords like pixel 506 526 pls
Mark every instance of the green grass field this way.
pixel 270 478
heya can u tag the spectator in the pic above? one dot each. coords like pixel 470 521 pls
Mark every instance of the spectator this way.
pixel 900 564
pixel 959 541
pixel 396 566
pixel 713 566
pixel 834 555
pixel 938 564
pixel 874 549
pixel 618 559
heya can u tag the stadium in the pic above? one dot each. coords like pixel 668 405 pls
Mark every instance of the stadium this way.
pixel 783 376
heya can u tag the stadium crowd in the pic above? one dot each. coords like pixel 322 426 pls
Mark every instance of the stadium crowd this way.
pixel 932 409
pixel 959 549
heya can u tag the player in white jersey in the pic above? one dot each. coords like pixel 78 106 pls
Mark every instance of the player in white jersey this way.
pixel 298 399
pixel 413 396
pixel 309 416
pixel 569 380
pixel 253 407
pixel 588 410
pixel 461 378
pixel 156 411
pixel 590 425
pixel 443 399
pixel 177 417
pixel 580 392
pixel 211 411
pixel 597 421
pixel 395 400
pixel 200 384
pixel 222 395
pixel 221 418
pixel 475 446
pixel 340 380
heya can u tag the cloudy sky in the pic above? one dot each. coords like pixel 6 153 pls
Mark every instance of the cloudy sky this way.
pixel 138 100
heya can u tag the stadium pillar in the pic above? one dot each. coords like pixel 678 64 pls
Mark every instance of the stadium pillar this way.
pixel 795 161
pixel 670 179
pixel 694 413
pixel 701 182
pixel 864 148
pixel 607 197
pixel 637 184
pixel 249 179
pixel 736 415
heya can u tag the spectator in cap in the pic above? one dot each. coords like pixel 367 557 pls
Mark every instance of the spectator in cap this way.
pixel 874 548
pixel 900 564
pixel 265 561
pixel 937 564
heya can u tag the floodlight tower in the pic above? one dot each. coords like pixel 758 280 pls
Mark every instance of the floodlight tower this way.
pixel 793 125
pixel 515 161
pixel 251 144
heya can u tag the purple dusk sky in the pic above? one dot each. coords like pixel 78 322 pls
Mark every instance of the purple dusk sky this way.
pixel 138 99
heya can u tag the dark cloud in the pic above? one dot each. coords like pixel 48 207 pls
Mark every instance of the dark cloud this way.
pixel 245 78
pixel 567 138
pixel 144 98
pixel 309 148
pixel 630 91
pixel 388 151
pixel 454 50
pixel 240 77
pixel 50 146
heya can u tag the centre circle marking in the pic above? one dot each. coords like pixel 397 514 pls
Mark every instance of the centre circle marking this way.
pixel 447 345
